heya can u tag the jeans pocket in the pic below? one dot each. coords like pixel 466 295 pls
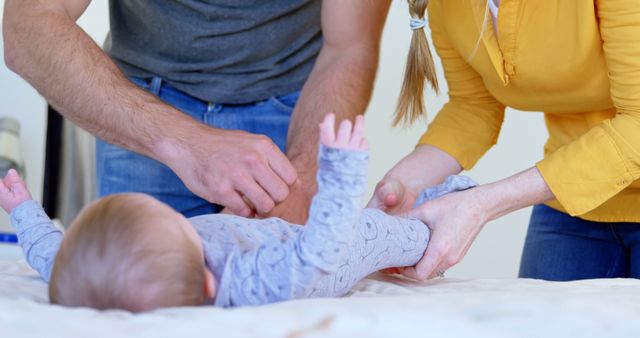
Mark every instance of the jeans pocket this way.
pixel 285 103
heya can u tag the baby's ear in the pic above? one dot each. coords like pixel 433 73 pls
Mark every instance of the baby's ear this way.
pixel 209 284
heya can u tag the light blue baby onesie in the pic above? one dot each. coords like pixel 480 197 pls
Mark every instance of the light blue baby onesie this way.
pixel 264 261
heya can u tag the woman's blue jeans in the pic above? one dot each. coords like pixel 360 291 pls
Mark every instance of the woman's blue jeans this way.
pixel 559 247
pixel 120 170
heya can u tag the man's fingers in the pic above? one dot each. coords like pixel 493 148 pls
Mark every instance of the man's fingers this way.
pixel 236 205
pixel 254 193
pixel 282 166
pixel 271 183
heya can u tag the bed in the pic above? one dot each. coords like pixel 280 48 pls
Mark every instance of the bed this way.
pixel 380 306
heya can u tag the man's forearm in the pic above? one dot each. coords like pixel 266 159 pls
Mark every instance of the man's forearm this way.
pixel 45 46
pixel 341 82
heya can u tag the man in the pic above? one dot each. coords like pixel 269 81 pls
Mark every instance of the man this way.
pixel 220 63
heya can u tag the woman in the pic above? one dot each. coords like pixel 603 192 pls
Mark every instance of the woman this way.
pixel 579 62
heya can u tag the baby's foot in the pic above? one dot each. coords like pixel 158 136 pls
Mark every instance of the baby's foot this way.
pixel 346 138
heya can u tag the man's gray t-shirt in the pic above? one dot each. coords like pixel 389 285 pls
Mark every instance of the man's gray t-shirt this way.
pixel 222 51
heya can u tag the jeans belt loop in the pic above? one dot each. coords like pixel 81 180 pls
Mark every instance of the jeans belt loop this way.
pixel 156 84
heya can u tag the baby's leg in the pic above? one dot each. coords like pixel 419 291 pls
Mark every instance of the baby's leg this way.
pixel 381 241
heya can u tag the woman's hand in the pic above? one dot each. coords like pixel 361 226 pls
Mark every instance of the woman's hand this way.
pixel 456 219
pixel 392 196
pixel 424 167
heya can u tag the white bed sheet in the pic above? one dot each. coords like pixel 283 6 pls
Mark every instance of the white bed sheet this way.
pixel 378 307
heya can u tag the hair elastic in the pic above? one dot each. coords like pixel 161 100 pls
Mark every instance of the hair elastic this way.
pixel 416 24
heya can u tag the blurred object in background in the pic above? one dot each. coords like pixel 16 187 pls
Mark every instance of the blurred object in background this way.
pixel 10 153
pixel 77 175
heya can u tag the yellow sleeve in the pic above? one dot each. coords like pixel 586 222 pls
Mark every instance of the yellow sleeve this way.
pixel 605 160
pixel 469 124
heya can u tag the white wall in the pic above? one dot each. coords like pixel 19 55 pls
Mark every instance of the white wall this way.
pixel 495 253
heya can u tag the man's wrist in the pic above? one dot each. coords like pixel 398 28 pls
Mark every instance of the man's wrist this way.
pixel 178 142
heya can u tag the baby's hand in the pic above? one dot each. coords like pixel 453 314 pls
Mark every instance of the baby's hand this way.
pixel 346 138
pixel 13 191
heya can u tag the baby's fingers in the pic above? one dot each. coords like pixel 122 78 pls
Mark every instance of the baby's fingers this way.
pixel 357 135
pixel 327 130
pixel 344 134
pixel 12 178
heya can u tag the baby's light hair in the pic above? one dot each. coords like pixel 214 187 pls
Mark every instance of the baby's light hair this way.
pixel 111 259
pixel 419 67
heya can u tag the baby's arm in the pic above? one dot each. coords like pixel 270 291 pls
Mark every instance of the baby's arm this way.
pixel 38 237
pixel 289 268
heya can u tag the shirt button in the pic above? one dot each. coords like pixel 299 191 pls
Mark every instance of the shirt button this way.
pixel 622 182
pixel 509 68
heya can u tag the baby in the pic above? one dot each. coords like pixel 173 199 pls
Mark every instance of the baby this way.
pixel 131 251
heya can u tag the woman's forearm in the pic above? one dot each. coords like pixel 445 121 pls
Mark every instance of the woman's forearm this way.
pixel 518 191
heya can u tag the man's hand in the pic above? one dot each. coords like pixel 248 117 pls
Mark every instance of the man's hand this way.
pixel 245 172
pixel 45 46
pixel 13 191
pixel 295 209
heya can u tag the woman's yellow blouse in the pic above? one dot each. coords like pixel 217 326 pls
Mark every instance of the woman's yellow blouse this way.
pixel 576 60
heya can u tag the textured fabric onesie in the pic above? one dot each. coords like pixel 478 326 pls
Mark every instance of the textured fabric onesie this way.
pixel 264 261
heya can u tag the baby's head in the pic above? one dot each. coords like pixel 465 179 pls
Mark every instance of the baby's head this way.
pixel 131 252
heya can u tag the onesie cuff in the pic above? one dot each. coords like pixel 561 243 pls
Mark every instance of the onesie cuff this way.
pixel 24 211
pixel 343 161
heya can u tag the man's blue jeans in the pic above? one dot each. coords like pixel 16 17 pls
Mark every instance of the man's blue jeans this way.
pixel 120 170
pixel 559 247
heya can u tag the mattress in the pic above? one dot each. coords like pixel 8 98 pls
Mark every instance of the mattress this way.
pixel 380 306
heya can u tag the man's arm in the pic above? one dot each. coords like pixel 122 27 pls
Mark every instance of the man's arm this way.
pixel 341 82
pixel 45 46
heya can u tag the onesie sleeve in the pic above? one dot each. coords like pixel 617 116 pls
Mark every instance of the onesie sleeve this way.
pixel 37 235
pixel 596 166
